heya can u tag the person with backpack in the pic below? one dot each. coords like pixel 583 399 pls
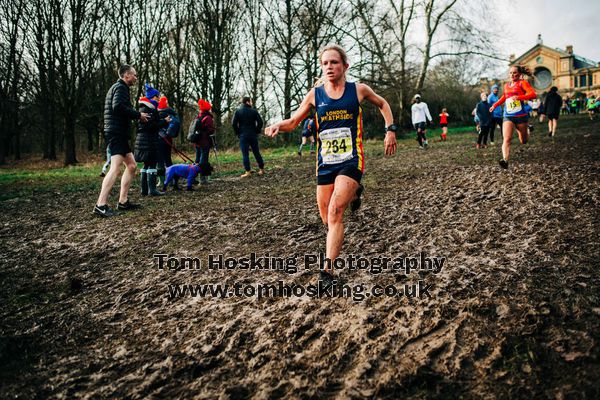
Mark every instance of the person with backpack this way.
pixel 165 138
pixel 247 124
pixel 204 128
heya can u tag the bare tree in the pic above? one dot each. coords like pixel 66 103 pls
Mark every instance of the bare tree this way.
pixel 214 46
pixel 434 14
pixel 317 31
pixel 382 34
pixel 287 46
pixel 176 76
pixel 12 29
pixel 255 52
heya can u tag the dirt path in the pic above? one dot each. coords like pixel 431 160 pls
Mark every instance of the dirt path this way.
pixel 514 313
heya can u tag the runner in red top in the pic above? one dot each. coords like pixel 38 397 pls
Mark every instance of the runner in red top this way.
pixel 516 92
pixel 444 123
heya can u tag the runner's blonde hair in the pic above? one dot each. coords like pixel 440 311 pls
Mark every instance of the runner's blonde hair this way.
pixel 321 80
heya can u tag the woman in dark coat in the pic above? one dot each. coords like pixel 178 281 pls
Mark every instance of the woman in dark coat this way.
pixel 146 142
pixel 205 125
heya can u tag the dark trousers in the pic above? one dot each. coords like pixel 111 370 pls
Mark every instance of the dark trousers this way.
pixel 482 139
pixel 421 137
pixel 202 154
pixel 164 156
pixel 247 143
pixel 495 121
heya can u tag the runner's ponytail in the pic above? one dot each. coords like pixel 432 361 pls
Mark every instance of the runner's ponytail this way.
pixel 523 70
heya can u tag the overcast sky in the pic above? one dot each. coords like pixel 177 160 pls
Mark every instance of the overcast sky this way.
pixel 561 22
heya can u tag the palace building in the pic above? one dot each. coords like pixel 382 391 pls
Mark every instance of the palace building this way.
pixel 569 72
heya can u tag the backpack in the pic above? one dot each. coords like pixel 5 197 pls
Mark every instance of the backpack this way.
pixel 174 126
pixel 193 135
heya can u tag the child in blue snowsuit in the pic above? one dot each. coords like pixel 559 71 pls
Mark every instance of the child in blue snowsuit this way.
pixel 174 172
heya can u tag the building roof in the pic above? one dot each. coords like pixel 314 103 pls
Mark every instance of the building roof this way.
pixel 581 62
pixel 578 61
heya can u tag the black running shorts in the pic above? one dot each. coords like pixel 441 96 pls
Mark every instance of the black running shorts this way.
pixel 420 126
pixel 517 120
pixel 118 145
pixel 349 171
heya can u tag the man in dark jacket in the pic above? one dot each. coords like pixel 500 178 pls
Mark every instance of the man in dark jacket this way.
pixel 118 112
pixel 247 124
pixel 552 105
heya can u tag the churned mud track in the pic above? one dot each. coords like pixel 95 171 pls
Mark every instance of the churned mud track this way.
pixel 514 313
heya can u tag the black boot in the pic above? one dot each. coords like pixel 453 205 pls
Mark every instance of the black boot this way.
pixel 161 177
pixel 144 182
pixel 152 191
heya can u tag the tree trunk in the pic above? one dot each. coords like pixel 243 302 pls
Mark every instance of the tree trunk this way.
pixel 69 136
pixel 91 134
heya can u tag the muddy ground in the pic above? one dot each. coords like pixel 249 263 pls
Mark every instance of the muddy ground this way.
pixel 514 313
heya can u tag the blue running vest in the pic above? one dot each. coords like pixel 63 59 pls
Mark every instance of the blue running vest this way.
pixel 339 131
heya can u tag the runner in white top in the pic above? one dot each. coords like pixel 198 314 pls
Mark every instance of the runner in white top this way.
pixel 420 115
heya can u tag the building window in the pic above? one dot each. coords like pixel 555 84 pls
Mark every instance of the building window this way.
pixel 542 78
pixel 584 80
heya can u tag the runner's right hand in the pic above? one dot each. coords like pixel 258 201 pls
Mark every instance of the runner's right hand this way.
pixel 144 117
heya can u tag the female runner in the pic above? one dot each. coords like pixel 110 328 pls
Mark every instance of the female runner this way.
pixel 340 154
pixel 516 92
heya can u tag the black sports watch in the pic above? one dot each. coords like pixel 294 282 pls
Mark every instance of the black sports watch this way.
pixel 392 128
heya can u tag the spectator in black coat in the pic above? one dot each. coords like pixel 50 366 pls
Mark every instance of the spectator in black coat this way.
pixel 146 143
pixel 205 125
pixel 552 106
pixel 247 124
pixel 118 112
pixel 485 121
